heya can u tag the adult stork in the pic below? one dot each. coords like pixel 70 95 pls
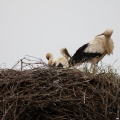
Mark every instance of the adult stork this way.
pixel 94 51
pixel 61 61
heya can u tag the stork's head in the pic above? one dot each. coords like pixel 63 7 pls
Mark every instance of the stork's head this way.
pixel 49 56
pixel 65 52
pixel 107 33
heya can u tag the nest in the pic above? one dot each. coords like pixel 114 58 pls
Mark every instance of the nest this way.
pixel 45 93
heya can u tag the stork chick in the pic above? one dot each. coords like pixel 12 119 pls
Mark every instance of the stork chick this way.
pixel 95 50
pixel 61 61
pixel 49 57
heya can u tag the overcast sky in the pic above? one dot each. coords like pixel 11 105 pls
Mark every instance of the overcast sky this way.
pixel 36 27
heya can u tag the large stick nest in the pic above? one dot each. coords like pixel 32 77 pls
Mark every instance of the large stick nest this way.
pixel 58 94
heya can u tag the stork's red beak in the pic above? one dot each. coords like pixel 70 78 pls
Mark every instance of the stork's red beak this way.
pixel 100 34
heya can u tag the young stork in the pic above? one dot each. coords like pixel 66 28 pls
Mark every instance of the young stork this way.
pixel 94 51
pixel 61 61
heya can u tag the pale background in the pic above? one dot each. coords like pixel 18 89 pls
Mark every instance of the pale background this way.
pixel 36 27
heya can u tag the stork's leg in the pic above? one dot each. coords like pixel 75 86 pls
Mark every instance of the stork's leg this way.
pixel 95 68
pixel 85 67
pixel 91 67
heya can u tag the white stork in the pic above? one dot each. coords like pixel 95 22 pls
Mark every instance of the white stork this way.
pixel 61 61
pixel 95 50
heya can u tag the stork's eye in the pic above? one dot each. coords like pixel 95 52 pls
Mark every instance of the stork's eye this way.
pixel 48 58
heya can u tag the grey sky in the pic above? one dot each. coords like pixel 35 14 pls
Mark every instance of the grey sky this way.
pixel 36 27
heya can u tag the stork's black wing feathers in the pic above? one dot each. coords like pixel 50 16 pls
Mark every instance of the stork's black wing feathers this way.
pixel 81 49
pixel 81 56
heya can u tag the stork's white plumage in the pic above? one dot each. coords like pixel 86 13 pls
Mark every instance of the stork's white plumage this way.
pixel 61 61
pixel 95 50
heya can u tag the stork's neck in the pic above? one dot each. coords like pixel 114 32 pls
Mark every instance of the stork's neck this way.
pixel 50 61
pixel 107 37
pixel 64 55
pixel 107 44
